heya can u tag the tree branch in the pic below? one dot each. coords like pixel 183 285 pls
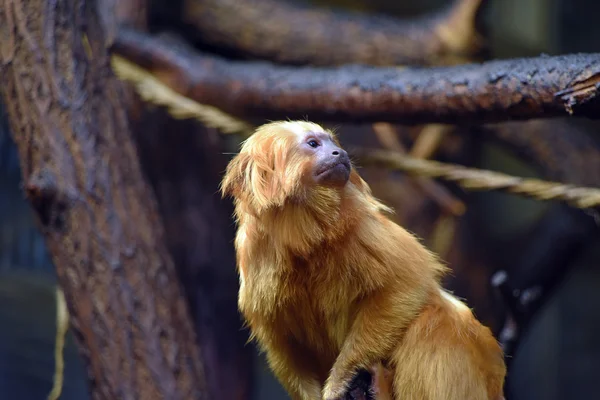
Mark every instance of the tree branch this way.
pixel 492 91
pixel 94 207
pixel 559 149
pixel 304 34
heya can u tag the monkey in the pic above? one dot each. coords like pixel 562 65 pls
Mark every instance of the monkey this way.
pixel 330 285
pixel 380 388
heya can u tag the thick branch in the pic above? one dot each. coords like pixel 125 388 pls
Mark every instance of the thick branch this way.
pixel 558 148
pixel 492 91
pixel 98 215
pixel 304 34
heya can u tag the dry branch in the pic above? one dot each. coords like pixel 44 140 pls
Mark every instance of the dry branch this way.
pixel 492 91
pixel 303 34
pixel 447 202
pixel 99 217
pixel 477 179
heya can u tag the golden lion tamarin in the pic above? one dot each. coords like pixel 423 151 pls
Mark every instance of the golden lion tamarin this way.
pixel 329 285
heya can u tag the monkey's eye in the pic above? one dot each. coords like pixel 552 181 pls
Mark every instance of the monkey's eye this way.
pixel 313 143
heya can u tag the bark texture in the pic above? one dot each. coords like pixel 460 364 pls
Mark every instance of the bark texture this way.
pixel 488 92
pixel 99 217
pixel 304 34
pixel 116 13
pixel 185 167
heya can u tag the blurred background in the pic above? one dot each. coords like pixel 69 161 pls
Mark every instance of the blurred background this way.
pixel 503 249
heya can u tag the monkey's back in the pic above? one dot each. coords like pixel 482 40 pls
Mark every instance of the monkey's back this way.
pixel 447 354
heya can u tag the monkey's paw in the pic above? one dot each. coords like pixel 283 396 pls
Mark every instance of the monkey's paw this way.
pixel 335 389
pixel 330 395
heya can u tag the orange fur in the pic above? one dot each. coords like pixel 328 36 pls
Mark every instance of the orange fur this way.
pixel 329 284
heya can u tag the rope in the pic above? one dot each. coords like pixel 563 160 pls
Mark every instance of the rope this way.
pixel 155 92
pixel 478 179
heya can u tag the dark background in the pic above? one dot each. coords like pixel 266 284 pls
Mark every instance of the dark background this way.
pixel 559 355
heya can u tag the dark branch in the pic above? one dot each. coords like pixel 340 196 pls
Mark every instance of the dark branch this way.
pixel 560 149
pixel 94 207
pixel 492 91
pixel 117 13
pixel 303 34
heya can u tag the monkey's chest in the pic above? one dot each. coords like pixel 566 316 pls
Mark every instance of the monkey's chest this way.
pixel 316 335
pixel 317 325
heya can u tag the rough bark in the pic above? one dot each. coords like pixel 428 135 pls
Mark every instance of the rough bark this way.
pixel 185 168
pixel 99 217
pixel 117 13
pixel 304 34
pixel 488 92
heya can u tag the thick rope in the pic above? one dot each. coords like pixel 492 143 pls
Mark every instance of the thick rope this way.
pixel 478 179
pixel 155 92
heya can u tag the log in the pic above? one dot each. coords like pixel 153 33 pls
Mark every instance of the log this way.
pixel 493 91
pixel 305 34
pixel 94 207
pixel 184 170
pixel 185 167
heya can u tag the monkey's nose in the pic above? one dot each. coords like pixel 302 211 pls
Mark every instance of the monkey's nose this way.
pixel 342 157
pixel 338 152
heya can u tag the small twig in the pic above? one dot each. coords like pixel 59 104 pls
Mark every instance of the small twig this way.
pixel 62 326
pixel 477 179
pixel 443 233
pixel 447 202
pixel 425 146
pixel 429 140
pixel 387 137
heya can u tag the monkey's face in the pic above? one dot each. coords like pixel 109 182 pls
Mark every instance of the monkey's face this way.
pixel 282 161
pixel 330 163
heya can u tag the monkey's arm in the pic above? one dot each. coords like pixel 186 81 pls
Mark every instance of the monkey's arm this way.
pixel 378 327
pixel 290 366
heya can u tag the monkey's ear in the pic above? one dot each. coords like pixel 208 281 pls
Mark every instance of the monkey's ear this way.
pixel 250 177
pixel 233 180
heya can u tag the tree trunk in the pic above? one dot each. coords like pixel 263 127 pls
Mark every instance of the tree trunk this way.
pixel 184 167
pixel 99 217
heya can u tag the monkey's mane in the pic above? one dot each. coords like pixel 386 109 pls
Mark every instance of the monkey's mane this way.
pixel 272 194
